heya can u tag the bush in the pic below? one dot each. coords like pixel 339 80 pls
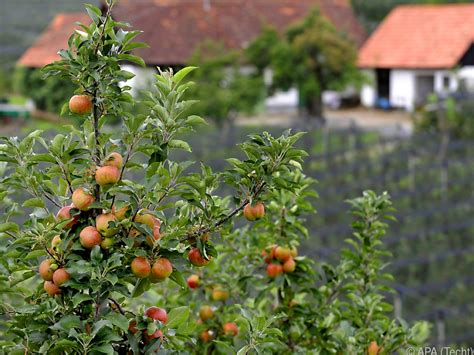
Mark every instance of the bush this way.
pixel 48 94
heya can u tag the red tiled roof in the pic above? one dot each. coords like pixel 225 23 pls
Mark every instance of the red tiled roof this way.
pixel 54 38
pixel 173 28
pixel 420 36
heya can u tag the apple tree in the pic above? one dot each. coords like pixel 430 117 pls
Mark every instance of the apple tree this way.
pixel 98 217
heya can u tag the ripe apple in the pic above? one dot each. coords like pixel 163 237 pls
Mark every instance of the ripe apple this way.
pixel 102 224
pixel 219 294
pixel 148 338
pixel 289 265
pixel 60 276
pixel 156 234
pixel 157 313
pixel 114 159
pixel 282 254
pixel 141 268
pixel 107 243
pixel 51 289
pixel 273 270
pixel 107 175
pixel 206 336
pixel 254 212
pixel 193 281
pixel 373 348
pixel 120 212
pixel 65 213
pixel 80 104
pixel 82 199
pixel 230 328
pixel 90 237
pixel 45 270
pixel 206 312
pixel 294 252
pixel 196 258
pixel 162 269
pixel 266 257
pixel 146 218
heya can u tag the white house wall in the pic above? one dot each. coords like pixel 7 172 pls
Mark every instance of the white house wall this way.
pixel 368 93
pixel 402 88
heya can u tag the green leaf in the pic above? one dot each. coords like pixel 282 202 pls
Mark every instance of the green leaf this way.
pixel 119 320
pixel 178 316
pixel 104 349
pixel 179 144
pixel 182 74
pixel 132 58
pixel 67 322
pixel 177 277
pixel 34 202
pixel 9 227
pixel 93 12
pixel 142 286
pixel 79 298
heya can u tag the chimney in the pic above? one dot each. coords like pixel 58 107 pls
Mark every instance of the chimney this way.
pixel 206 5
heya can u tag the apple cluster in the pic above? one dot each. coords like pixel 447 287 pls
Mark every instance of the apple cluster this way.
pixel 103 231
pixel 150 325
pixel 280 259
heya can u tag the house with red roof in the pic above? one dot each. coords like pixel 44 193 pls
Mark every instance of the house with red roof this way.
pixel 418 50
pixel 174 28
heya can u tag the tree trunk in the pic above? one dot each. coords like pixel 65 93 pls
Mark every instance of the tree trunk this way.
pixel 314 109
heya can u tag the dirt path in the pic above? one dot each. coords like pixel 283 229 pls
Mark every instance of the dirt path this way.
pixel 387 123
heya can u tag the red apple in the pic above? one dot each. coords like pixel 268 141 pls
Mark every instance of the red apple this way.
pixel 254 212
pixel 289 265
pixel 206 336
pixel 193 281
pixel 148 338
pixel 282 254
pixel 102 224
pixel 162 269
pixel 82 199
pixel 156 313
pixel 274 270
pixel 60 276
pixel 65 213
pixel 90 237
pixel 45 270
pixel 107 175
pixel 114 159
pixel 196 258
pixel 373 348
pixel 51 289
pixel 205 313
pixel 231 329
pixel 141 268
pixel 80 104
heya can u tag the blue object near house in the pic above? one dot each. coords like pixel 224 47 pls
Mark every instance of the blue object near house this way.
pixel 383 103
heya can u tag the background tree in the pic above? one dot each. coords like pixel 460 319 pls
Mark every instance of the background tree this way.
pixel 311 56
pixel 223 87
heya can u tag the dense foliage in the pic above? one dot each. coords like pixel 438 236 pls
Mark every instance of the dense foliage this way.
pixel 48 95
pixel 139 220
